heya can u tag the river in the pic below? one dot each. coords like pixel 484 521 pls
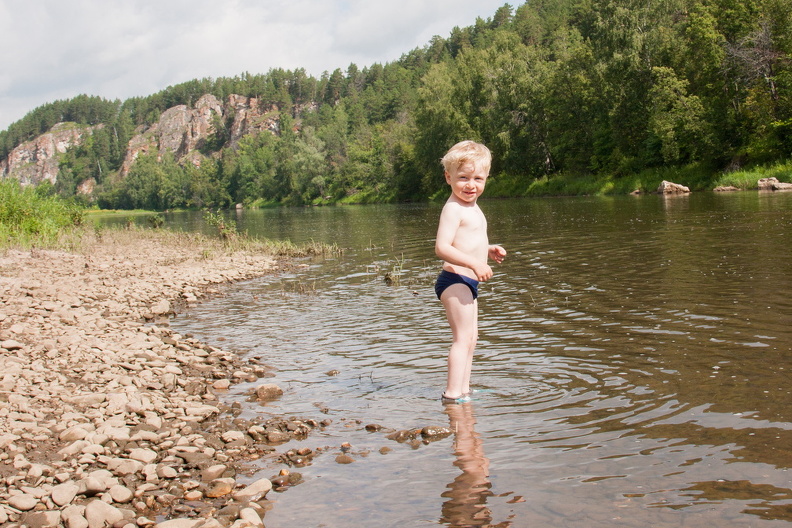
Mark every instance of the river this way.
pixel 633 363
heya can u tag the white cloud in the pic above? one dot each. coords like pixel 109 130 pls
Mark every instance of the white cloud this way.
pixel 50 49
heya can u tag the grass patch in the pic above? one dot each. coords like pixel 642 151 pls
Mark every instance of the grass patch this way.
pixel 232 238
pixel 748 178
pixel 32 218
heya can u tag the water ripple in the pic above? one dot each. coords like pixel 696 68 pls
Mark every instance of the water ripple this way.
pixel 631 354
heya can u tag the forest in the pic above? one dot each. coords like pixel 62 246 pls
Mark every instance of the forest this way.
pixel 607 91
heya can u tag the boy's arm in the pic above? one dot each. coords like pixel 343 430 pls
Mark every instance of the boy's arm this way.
pixel 450 219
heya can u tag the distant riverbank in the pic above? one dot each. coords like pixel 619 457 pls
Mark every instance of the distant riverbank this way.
pixel 695 177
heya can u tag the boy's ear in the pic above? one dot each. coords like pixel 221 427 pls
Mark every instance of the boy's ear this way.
pixel 447 176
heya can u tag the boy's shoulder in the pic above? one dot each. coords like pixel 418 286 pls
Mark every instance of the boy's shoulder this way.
pixel 451 203
pixel 462 214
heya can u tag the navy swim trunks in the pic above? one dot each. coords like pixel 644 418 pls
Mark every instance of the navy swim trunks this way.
pixel 447 278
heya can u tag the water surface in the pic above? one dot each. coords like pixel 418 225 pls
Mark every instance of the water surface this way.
pixel 634 357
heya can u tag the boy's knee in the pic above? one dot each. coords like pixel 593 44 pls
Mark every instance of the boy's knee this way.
pixel 469 340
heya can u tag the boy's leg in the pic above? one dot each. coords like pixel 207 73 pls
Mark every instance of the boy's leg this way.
pixel 469 364
pixel 462 312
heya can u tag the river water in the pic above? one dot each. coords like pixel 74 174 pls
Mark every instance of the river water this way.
pixel 634 363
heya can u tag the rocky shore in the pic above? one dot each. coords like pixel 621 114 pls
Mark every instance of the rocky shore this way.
pixel 107 416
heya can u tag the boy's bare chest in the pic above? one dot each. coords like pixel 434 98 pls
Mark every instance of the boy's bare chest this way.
pixel 473 220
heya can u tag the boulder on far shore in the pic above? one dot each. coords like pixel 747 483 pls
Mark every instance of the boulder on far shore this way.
pixel 667 187
pixel 772 184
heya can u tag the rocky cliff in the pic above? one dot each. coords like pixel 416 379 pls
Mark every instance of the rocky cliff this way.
pixel 37 160
pixel 181 131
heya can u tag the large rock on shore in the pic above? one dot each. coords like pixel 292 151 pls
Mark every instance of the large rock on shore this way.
pixel 772 184
pixel 667 187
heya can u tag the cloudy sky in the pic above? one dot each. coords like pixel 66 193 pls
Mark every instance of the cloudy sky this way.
pixel 57 49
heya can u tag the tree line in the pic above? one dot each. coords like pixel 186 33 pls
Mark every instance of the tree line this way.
pixel 576 87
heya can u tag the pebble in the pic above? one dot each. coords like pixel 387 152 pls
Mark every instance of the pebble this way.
pixel 100 514
pixel 193 495
pixel 63 494
pixel 223 384
pixel 146 456
pixel 255 491
pixel 213 472
pixel 76 521
pixel 250 516
pixel 268 391
pixel 23 502
pixel 344 459
pixel 121 494
pixel 219 488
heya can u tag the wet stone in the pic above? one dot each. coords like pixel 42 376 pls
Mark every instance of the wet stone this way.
pixel 435 433
pixel 268 391
pixel 219 488
pixel 344 459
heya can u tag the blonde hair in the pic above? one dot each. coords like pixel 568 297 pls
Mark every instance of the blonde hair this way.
pixel 466 151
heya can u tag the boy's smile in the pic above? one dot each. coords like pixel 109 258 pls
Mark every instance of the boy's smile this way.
pixel 467 182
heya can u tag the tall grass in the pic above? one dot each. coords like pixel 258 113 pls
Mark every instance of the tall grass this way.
pixel 233 239
pixel 31 218
pixel 747 179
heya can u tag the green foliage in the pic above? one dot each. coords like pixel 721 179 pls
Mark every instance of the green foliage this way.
pixel 33 217
pixel 747 179
pixel 83 109
pixel 156 221
pixel 572 96
pixel 225 229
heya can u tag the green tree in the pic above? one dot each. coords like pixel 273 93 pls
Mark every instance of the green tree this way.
pixel 677 118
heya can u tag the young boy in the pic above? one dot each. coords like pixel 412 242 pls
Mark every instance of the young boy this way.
pixel 463 245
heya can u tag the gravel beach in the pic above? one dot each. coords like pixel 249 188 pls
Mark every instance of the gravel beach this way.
pixel 107 416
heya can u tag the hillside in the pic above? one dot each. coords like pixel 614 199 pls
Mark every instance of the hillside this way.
pixel 580 88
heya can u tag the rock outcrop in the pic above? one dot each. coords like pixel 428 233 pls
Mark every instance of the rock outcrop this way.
pixel 772 184
pixel 667 187
pixel 183 131
pixel 38 160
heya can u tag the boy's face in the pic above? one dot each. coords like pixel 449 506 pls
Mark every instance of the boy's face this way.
pixel 467 182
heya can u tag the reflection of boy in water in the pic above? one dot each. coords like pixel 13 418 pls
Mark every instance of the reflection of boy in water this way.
pixel 467 494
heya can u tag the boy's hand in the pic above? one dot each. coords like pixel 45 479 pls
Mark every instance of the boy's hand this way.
pixel 483 272
pixel 497 253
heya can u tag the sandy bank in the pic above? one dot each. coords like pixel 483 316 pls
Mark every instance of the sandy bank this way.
pixel 107 416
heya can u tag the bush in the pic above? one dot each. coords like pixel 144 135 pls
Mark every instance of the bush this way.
pixel 31 218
